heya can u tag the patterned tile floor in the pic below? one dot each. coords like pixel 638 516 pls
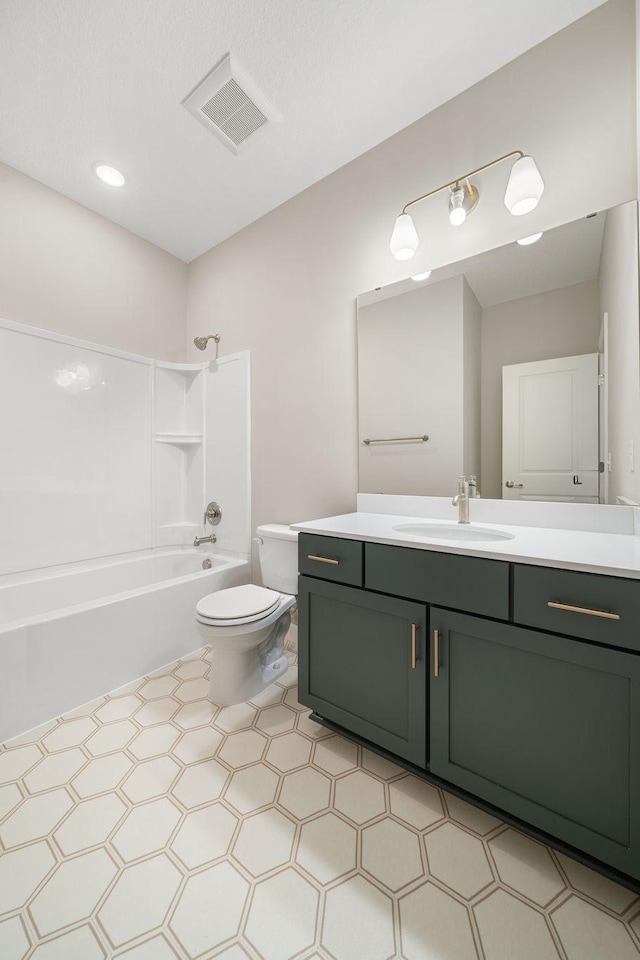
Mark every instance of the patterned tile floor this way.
pixel 151 825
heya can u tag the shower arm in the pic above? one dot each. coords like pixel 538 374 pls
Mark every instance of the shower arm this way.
pixel 201 342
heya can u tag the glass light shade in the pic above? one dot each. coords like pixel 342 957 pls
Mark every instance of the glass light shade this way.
pixel 527 240
pixel 404 239
pixel 109 175
pixel 422 276
pixel 457 212
pixel 525 187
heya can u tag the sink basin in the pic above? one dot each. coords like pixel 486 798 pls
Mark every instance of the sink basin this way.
pixel 452 531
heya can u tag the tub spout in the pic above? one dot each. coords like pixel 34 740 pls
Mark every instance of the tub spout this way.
pixel 198 540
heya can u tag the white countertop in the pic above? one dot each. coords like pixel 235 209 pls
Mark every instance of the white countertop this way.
pixel 613 554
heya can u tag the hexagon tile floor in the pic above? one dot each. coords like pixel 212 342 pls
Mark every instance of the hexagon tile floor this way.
pixel 151 825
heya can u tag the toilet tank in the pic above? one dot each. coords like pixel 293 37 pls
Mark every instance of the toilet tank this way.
pixel 279 557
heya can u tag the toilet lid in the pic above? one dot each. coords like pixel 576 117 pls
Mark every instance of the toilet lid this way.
pixel 238 603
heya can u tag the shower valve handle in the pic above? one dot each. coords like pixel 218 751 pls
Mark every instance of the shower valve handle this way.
pixel 213 514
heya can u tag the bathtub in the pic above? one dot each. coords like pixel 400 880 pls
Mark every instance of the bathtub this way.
pixel 79 631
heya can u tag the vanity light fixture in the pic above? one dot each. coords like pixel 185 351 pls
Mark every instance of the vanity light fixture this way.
pixel 463 200
pixel 109 175
pixel 422 276
pixel 527 240
pixel 524 189
pixel 404 239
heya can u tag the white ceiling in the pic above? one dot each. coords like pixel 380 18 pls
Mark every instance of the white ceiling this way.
pixel 563 256
pixel 83 80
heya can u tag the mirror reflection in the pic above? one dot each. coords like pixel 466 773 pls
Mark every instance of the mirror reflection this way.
pixel 519 366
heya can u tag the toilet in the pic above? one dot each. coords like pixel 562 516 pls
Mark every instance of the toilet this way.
pixel 246 626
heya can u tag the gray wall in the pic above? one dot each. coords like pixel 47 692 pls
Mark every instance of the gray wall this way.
pixel 285 286
pixel 411 360
pixel 619 299
pixel 472 363
pixel 67 269
pixel 561 323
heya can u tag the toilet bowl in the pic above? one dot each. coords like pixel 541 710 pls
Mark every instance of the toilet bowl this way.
pixel 246 626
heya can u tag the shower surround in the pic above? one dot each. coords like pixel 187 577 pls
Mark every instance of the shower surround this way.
pixel 108 463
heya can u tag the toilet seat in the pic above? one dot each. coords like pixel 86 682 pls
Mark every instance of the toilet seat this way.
pixel 235 606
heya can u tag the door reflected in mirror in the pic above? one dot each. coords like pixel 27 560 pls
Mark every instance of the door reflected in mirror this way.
pixel 550 429
pixel 519 366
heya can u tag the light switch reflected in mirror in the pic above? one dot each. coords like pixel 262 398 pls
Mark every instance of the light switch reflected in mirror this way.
pixel 520 364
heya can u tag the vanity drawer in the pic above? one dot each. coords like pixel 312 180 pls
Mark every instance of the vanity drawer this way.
pixel 330 558
pixel 449 580
pixel 585 605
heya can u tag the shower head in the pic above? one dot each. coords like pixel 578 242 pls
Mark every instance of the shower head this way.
pixel 201 342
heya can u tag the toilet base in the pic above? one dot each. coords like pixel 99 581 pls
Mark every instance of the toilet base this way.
pixel 231 684
pixel 238 675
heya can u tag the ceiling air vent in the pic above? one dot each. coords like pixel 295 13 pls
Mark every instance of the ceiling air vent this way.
pixel 229 104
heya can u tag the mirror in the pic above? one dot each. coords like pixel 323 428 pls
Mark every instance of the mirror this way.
pixel 519 366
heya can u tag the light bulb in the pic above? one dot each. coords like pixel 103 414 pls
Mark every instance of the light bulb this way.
pixel 527 240
pixel 422 276
pixel 109 175
pixel 525 187
pixel 457 212
pixel 404 239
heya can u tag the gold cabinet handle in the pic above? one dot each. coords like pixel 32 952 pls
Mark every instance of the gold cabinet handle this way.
pixel 414 651
pixel 436 653
pixel 334 563
pixel 605 614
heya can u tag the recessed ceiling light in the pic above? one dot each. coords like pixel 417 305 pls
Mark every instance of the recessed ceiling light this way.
pixel 422 276
pixel 527 240
pixel 109 175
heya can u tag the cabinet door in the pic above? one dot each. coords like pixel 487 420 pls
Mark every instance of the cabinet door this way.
pixel 545 727
pixel 363 664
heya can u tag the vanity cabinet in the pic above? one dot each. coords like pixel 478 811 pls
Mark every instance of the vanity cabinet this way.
pixel 331 559
pixel 463 583
pixel 363 664
pixel 586 605
pixel 541 726
pixel 473 671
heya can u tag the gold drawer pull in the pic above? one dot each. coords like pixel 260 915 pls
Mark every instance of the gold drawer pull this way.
pixel 414 654
pixel 335 563
pixel 605 614
pixel 436 653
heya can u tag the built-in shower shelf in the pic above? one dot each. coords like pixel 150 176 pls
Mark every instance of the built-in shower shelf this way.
pixel 178 451
pixel 187 369
pixel 179 439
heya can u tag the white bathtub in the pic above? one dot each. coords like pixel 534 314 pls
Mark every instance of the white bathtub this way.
pixel 74 633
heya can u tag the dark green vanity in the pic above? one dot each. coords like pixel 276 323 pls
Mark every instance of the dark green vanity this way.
pixel 518 685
